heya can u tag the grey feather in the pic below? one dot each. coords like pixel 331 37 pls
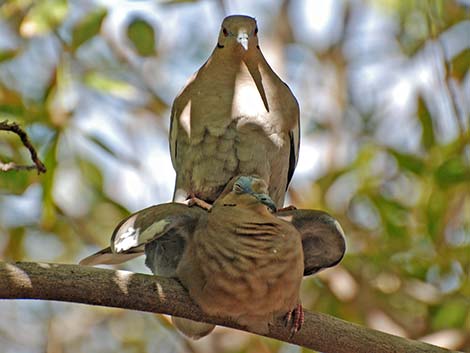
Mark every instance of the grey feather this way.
pixel 323 239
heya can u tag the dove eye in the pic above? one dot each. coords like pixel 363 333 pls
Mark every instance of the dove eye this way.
pixel 225 32
pixel 238 188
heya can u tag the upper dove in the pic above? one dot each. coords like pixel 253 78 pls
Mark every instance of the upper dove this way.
pixel 234 116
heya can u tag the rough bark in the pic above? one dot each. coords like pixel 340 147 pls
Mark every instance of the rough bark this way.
pixel 122 289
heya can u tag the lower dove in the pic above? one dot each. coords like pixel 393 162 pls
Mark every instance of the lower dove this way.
pixel 252 244
pixel 243 262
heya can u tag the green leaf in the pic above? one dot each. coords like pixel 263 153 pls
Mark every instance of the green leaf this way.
pixel 49 216
pixel 8 54
pixel 14 182
pixel 452 171
pixel 394 215
pixel 450 314
pixel 460 65
pixel 428 138
pixel 109 85
pixel 43 17
pixel 88 27
pixel 102 145
pixel 436 208
pixel 142 35
pixel 408 162
pixel 14 249
pixel 91 173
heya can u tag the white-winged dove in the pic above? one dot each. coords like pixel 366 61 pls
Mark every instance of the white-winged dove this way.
pixel 235 116
pixel 239 242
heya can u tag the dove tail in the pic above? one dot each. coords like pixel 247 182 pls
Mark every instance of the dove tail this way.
pixel 192 329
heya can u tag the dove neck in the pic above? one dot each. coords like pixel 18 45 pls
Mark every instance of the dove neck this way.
pixel 231 60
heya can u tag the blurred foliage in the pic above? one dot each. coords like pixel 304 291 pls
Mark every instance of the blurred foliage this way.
pixel 88 27
pixel 142 36
pixel 92 83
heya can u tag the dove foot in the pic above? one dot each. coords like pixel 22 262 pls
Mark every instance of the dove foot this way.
pixel 295 319
pixel 194 201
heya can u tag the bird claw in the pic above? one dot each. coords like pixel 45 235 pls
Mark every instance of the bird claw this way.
pixel 295 319
pixel 194 201
pixel 287 208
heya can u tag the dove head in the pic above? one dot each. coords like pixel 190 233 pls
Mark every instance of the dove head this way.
pixel 256 187
pixel 238 33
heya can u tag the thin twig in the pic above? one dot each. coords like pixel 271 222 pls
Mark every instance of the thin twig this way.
pixel 6 167
pixel 15 128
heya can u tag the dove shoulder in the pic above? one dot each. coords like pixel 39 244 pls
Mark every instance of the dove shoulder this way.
pixel 323 239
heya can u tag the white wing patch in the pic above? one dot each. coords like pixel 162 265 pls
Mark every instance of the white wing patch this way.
pixel 132 237
pixel 340 229
pixel 126 240
pixel 185 119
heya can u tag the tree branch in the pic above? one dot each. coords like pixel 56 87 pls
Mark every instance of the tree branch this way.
pixel 15 128
pixel 122 289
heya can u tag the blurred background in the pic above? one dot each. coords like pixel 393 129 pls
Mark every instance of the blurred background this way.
pixel 384 90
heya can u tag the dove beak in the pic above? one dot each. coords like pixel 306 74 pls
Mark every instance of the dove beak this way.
pixel 266 200
pixel 242 38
